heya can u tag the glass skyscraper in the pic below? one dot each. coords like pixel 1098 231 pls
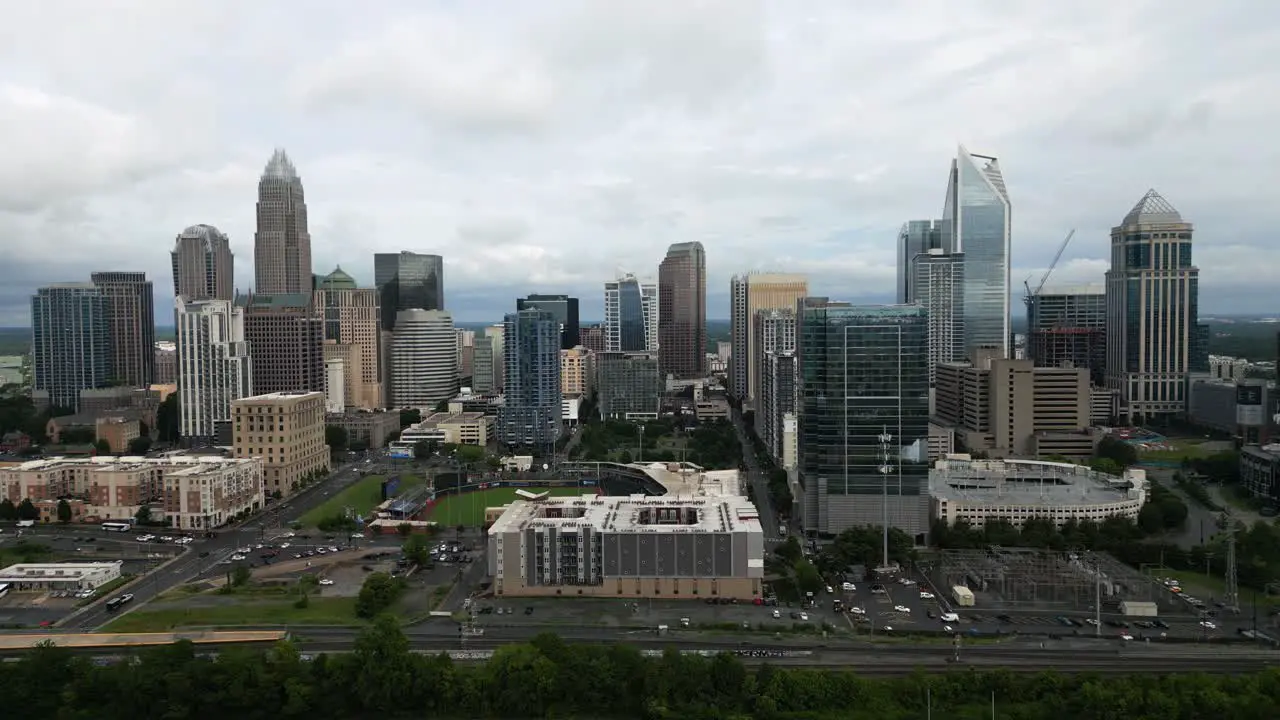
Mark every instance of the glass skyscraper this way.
pixel 563 308
pixel 976 222
pixel 70 343
pixel 530 417
pixel 407 281
pixel 863 375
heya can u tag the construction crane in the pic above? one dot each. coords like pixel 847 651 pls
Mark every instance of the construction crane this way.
pixel 1061 248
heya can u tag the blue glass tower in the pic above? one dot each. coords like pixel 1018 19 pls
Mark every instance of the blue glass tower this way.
pixel 976 222
pixel 70 342
pixel 531 356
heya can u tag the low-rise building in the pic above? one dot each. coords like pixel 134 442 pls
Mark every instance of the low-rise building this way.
pixel 60 576
pixel 117 430
pixel 1240 408
pixel 286 430
pixel 463 428
pixel 1260 471
pixel 366 429
pixel 713 407
pixel 196 491
pixel 975 491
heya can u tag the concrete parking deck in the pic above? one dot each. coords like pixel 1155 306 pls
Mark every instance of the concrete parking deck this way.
pixel 123 640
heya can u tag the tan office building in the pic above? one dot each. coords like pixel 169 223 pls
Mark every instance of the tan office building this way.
pixel 1010 408
pixel 286 430
pixel 682 312
pixel 351 316
pixel 577 372
pixel 750 294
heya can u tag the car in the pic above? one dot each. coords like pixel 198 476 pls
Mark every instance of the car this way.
pixel 357 536
pixel 326 581
pixel 849 587
pixel 888 628
pixel 1091 622
pixel 284 545
pixel 237 557
pixel 830 590
pixel 907 582
pixel 857 611
pixel 289 535
pixel 777 614
pixel 947 628
pixel 127 597
pixel 528 610
pixel 804 617
pixel 950 617
pixel 902 608
pixel 1208 625
pixel 1160 624
pixel 926 595
pixel 1126 636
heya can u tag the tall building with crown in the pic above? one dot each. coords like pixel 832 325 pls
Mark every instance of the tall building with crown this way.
pixel 282 244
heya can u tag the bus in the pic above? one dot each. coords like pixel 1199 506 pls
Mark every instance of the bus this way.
pixel 4 589
pixel 117 526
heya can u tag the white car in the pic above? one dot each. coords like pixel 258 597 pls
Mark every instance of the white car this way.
pixel 849 587
pixel 259 546
pixel 950 617
pixel 830 590
pixel 947 628
pixel 289 535
pixel 857 611
pixel 777 614
pixel 326 581
pixel 926 595
pixel 357 536
pixel 1208 625
pixel 237 557
pixel 1126 636
pixel 804 617
pixel 284 545
pixel 907 581
pixel 902 608
pixel 888 628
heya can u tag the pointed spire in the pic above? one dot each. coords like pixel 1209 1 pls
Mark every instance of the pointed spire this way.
pixel 1152 208
pixel 280 166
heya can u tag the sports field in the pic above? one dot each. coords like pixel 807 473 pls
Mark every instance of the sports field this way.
pixel 362 496
pixel 468 508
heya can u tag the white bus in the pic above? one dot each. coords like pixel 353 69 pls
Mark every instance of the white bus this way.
pixel 117 526
pixel 4 589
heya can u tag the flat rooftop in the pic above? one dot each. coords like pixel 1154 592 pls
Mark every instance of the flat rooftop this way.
pixel 689 480
pixel 289 395
pixel 1029 482
pixel 55 570
pixel 636 513
pixel 447 418
pixel 127 463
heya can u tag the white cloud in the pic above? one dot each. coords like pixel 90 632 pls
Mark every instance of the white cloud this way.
pixel 544 146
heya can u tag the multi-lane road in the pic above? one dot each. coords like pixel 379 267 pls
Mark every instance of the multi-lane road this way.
pixel 759 483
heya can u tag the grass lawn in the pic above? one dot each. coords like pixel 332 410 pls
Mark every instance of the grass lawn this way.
pixel 468 508
pixel 320 611
pixel 1179 449
pixel 1206 586
pixel 364 495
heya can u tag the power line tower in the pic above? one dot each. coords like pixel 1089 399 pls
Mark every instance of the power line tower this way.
pixel 1231 595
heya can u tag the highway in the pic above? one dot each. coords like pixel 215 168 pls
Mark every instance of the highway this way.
pixel 204 553
pixel 759 482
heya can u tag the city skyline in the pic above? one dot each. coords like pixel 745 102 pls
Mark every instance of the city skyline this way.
pixel 774 159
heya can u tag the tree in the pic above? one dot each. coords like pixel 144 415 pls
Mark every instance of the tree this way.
pixel 240 576
pixel 1106 466
pixel 467 454
pixel 64 511
pixel 1123 453
pixel 8 511
pixel 377 594
pixel 405 529
pixel 1151 518
pixel 417 550
pixel 808 579
pixel 27 510
pixel 167 424
pixel 424 449
pixel 410 416
pixel 335 437
pixel 143 516
pixel 103 447
pixel 139 445
pixel 790 550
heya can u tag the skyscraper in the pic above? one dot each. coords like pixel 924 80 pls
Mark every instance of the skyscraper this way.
pixel 203 266
pixel 1152 309
pixel 682 311
pixel 286 342
pixel 70 343
pixel 530 417
pixel 213 368
pixel 408 281
pixel 131 325
pixel 749 294
pixel 628 304
pixel 939 289
pixel 351 317
pixel 917 237
pixel 864 394
pixel 282 244
pixel 1067 327
pixel 772 331
pixel 424 359
pixel 976 222
pixel 563 308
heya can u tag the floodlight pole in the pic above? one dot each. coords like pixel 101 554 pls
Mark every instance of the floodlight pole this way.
pixel 885 468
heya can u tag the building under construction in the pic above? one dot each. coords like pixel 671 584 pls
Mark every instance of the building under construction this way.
pixel 1067 327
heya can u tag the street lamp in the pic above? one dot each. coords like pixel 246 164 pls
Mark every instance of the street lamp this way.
pixel 886 467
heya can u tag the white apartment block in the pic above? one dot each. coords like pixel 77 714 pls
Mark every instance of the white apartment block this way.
pixel 213 362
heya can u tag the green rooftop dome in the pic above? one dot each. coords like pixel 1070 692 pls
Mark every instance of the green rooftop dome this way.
pixel 337 280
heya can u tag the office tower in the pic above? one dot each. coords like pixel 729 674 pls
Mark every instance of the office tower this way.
pixel 285 430
pixel 628 306
pixel 682 312
pixel 352 317
pixel 408 281
pixel 772 331
pixel 497 335
pixel 777 397
pixel 563 308
pixel 424 359
pixel 976 222
pixel 749 294
pixel 282 244
pixel 630 386
pixel 917 237
pixel 1152 309
pixel 214 367
pixel 483 366
pixel 939 289
pixel 1067 328
pixel 167 361
pixel 593 338
pixel 466 353
pixel 577 373
pixel 131 325
pixel 70 343
pixel 530 416
pixel 203 266
pixel 864 395
pixel 286 342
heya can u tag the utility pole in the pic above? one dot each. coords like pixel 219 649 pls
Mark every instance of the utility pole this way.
pixel 1231 594
pixel 886 467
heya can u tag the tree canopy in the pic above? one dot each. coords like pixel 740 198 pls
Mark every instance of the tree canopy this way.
pixel 382 677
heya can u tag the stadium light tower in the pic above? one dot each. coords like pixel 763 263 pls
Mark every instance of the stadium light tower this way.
pixel 886 467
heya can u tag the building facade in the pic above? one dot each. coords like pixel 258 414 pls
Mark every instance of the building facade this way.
pixel 352 317
pixel 682 312
pixel 71 343
pixel 282 243
pixel 407 281
pixel 214 367
pixel 939 289
pixel 1067 327
pixel 917 237
pixel 203 266
pixel 530 416
pixel 577 373
pixel 630 386
pixel 630 315
pixel 777 399
pixel 366 429
pixel 561 307
pixel 772 331
pixel 286 431
pixel 750 294
pixel 864 416
pixel 131 322
pixel 286 342
pixel 976 221
pixel 1152 310
pixel 424 359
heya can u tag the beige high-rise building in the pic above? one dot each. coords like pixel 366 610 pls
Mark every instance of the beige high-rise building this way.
pixel 577 372
pixel 351 316
pixel 286 430
pixel 282 244
pixel 749 294
pixel 203 266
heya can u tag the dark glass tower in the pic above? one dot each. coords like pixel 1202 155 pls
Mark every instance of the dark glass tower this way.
pixel 563 308
pixel 530 417
pixel 408 281
pixel 70 342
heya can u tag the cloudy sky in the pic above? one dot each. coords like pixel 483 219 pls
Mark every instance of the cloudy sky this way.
pixel 543 146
